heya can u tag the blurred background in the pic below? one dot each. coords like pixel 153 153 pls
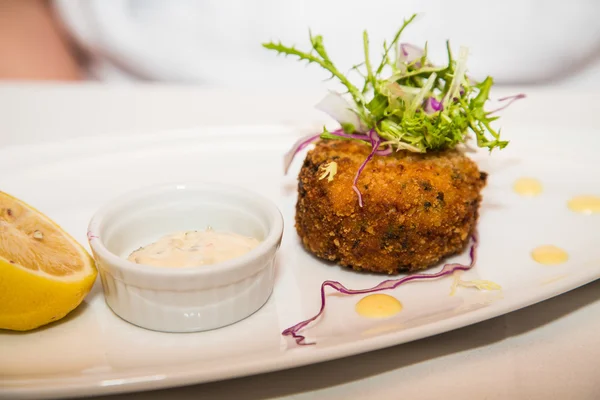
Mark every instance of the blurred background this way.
pixel 73 68
pixel 111 68
pixel 217 43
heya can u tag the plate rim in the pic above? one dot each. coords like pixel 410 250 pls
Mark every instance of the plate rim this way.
pixel 53 387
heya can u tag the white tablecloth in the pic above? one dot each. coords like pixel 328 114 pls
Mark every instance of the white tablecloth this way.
pixel 547 351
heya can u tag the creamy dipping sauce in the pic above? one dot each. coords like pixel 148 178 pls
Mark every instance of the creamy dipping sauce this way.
pixel 378 306
pixel 193 248
pixel 549 255
pixel 528 187
pixel 585 204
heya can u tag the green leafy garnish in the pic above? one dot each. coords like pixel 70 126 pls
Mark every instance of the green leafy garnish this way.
pixel 408 102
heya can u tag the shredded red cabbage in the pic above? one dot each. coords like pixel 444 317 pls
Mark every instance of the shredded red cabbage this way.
pixel 432 105
pixel 296 148
pixel 341 133
pixel 375 142
pixel 385 152
pixel 389 284
pixel 511 99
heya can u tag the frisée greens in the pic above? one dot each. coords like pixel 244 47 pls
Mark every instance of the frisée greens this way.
pixel 405 102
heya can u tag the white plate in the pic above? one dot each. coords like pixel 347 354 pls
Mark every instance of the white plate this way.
pixel 92 351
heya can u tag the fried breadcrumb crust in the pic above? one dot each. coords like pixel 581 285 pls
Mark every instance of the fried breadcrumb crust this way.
pixel 418 208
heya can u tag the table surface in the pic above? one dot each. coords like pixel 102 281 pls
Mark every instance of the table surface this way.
pixel 549 350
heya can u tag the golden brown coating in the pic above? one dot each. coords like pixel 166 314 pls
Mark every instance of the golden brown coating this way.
pixel 418 208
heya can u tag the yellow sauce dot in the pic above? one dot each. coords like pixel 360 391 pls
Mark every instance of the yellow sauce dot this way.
pixel 549 255
pixel 528 187
pixel 378 306
pixel 585 204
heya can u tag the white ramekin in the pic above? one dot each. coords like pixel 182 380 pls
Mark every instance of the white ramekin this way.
pixel 194 298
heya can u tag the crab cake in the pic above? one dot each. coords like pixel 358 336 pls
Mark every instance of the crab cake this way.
pixel 417 208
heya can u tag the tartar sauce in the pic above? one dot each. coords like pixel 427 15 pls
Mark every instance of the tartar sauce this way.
pixel 193 248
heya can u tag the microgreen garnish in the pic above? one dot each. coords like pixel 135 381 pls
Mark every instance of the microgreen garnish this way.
pixel 406 102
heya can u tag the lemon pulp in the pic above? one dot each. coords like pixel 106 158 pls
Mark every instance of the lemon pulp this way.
pixel 44 272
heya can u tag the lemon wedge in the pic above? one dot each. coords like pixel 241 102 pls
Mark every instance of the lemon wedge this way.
pixel 44 272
